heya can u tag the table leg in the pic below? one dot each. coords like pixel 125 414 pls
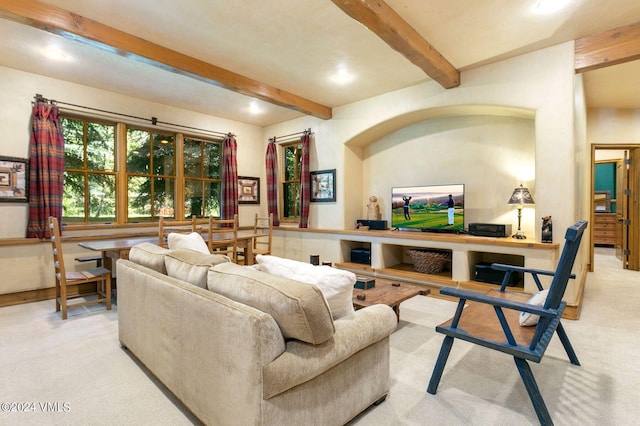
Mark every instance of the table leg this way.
pixel 396 309
pixel 248 253
pixel 109 258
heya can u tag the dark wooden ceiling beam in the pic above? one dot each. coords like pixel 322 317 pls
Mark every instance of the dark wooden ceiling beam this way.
pixel 608 48
pixel 75 27
pixel 380 18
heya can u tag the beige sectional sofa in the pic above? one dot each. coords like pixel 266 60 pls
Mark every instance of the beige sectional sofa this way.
pixel 241 347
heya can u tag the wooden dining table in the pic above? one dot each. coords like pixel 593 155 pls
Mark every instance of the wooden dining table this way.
pixel 118 248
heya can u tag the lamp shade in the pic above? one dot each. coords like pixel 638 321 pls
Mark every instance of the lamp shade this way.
pixel 521 196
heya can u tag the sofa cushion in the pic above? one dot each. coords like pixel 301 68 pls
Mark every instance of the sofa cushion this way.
pixel 336 284
pixel 149 255
pixel 300 309
pixel 191 266
pixel 192 241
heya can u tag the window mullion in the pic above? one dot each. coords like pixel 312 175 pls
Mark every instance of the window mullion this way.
pixel 179 181
pixel 122 205
pixel 85 166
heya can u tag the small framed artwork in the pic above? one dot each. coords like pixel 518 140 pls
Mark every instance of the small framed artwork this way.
pixel 323 186
pixel 14 180
pixel 248 190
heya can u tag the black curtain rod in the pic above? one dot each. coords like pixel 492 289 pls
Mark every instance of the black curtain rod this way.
pixel 153 120
pixel 289 136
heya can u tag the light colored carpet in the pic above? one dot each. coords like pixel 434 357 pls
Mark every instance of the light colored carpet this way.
pixel 79 365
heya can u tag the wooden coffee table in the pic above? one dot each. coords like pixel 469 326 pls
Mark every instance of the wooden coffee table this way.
pixel 387 292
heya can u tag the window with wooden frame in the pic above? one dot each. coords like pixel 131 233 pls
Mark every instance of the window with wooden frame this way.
pixel 202 177
pixel 151 175
pixel 117 173
pixel 89 193
pixel 292 162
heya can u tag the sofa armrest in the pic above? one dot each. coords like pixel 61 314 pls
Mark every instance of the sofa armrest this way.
pixel 302 362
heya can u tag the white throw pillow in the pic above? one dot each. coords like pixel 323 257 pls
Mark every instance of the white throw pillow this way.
pixel 528 319
pixel 336 284
pixel 192 241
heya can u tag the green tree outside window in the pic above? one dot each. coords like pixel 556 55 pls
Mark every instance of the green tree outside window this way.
pixel 151 172
pixel 90 178
pixel 150 175
pixel 202 184
pixel 291 182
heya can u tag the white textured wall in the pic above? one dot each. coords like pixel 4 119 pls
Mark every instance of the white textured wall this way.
pixel 613 126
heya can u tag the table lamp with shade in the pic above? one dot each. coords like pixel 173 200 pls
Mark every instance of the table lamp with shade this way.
pixel 520 197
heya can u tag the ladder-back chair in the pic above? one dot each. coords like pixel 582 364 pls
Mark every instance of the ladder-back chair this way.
pixel 263 230
pixel 492 320
pixel 223 237
pixel 64 280
pixel 263 236
pixel 165 227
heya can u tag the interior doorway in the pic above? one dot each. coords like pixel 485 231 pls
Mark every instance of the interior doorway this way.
pixel 615 221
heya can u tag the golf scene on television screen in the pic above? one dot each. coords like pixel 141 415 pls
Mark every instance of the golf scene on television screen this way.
pixel 437 207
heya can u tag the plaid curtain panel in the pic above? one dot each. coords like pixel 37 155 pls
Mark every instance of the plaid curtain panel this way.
pixel 271 163
pixel 46 169
pixel 305 184
pixel 229 178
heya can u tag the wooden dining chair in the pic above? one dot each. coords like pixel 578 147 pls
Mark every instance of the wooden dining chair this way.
pixel 223 237
pixel 65 280
pixel 261 242
pixel 165 227
pixel 497 320
pixel 263 230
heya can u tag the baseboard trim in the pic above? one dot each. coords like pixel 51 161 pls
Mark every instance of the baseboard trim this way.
pixel 572 311
pixel 29 296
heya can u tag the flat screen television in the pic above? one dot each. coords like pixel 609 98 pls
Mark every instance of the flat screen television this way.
pixel 427 208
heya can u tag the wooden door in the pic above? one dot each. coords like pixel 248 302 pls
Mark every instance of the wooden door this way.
pixel 633 211
pixel 622 184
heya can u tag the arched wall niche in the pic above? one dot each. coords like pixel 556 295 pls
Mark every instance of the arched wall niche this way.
pixel 383 128
pixel 490 149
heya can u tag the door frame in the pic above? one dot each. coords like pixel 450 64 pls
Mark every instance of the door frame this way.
pixel 594 148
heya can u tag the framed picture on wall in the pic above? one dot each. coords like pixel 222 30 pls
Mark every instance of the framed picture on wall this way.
pixel 323 186
pixel 248 190
pixel 14 180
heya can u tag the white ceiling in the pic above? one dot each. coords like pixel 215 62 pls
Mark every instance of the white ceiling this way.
pixel 297 45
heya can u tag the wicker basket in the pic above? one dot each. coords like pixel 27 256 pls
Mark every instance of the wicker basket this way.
pixel 429 261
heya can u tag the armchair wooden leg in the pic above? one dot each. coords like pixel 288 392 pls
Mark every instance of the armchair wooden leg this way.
pixel 567 345
pixel 534 393
pixel 445 349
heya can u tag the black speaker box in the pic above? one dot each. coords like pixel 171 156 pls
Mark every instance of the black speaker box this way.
pixel 361 256
pixel 485 274
pixel 374 225
pixel 489 229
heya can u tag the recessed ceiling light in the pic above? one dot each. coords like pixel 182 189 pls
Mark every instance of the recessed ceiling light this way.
pixel 54 53
pixel 342 76
pixel 254 108
pixel 545 7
